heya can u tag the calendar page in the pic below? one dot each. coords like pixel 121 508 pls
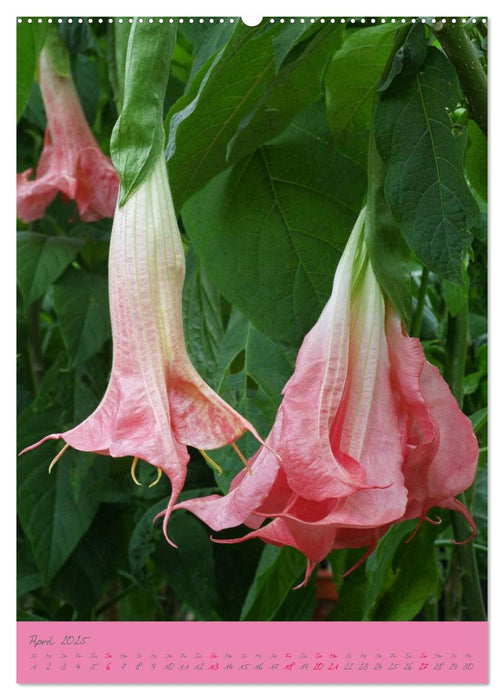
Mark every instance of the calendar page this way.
pixel 252 349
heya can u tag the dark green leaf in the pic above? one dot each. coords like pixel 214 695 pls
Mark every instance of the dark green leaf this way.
pixel 29 42
pixel 85 75
pixel 78 37
pixel 455 295
pixel 270 230
pixel 388 252
pixel 351 80
pixel 41 260
pixel 250 375
pixel 52 519
pixel 189 569
pixel 278 571
pixel 408 58
pixel 207 40
pixel 291 35
pixel 223 92
pixel 297 84
pixel 93 564
pixel 401 575
pixel 81 305
pixel 138 136
pixel 479 419
pixel 203 326
pixel 476 159
pixel 425 182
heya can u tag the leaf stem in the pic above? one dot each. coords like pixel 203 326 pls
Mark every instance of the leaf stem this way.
pixel 459 49
pixel 456 350
pixel 417 319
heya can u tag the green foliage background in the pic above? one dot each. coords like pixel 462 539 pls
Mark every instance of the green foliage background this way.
pixel 267 143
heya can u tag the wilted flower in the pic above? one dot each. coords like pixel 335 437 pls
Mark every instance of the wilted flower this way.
pixel 156 403
pixel 368 432
pixel 71 161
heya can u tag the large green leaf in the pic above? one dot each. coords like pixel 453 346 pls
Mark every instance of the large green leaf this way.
pixel 297 84
pixel 222 93
pixel 401 575
pixel 53 519
pixel 278 571
pixel 388 251
pixel 41 260
pixel 81 305
pixel 189 568
pixel 203 327
pixel 351 80
pixel 251 373
pixel 425 182
pixel 476 159
pixel 29 41
pixel 270 230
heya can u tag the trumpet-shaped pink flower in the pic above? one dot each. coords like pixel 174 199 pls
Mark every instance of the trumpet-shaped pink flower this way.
pixel 71 161
pixel 368 432
pixel 156 403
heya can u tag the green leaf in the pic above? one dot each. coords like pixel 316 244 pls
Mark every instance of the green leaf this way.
pixel 425 182
pixel 291 35
pixel 455 295
pixel 83 579
pixel 81 305
pixel 26 62
pixel 203 327
pixel 388 252
pixel 479 419
pixel 138 136
pixel 278 571
pixel 250 375
pixel 85 75
pixel 270 230
pixel 207 40
pixel 351 80
pixel 408 58
pixel 401 575
pixel 476 159
pixel 189 569
pixel 297 84
pixel 41 260
pixel 223 92
pixel 52 518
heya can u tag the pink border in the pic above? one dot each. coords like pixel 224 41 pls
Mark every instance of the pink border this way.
pixel 252 652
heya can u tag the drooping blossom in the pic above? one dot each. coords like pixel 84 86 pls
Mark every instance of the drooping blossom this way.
pixel 71 161
pixel 156 403
pixel 367 431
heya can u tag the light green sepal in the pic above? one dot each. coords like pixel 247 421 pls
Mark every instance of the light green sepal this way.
pixel 138 137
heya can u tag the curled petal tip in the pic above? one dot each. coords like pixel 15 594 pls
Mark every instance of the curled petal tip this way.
pixel 58 456
pixel 157 479
pixel 133 472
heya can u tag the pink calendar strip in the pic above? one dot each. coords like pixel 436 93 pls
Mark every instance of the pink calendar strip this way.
pixel 252 652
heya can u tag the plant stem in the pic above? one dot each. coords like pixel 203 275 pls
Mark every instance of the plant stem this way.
pixel 465 564
pixel 417 319
pixel 457 45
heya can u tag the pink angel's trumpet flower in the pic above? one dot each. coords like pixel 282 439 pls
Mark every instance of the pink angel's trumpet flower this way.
pixel 156 403
pixel 71 161
pixel 368 432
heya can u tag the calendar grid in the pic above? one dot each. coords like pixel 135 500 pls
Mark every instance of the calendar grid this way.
pixel 252 652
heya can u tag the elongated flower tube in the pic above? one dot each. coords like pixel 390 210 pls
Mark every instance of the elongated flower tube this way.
pixel 71 161
pixel 368 432
pixel 156 403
